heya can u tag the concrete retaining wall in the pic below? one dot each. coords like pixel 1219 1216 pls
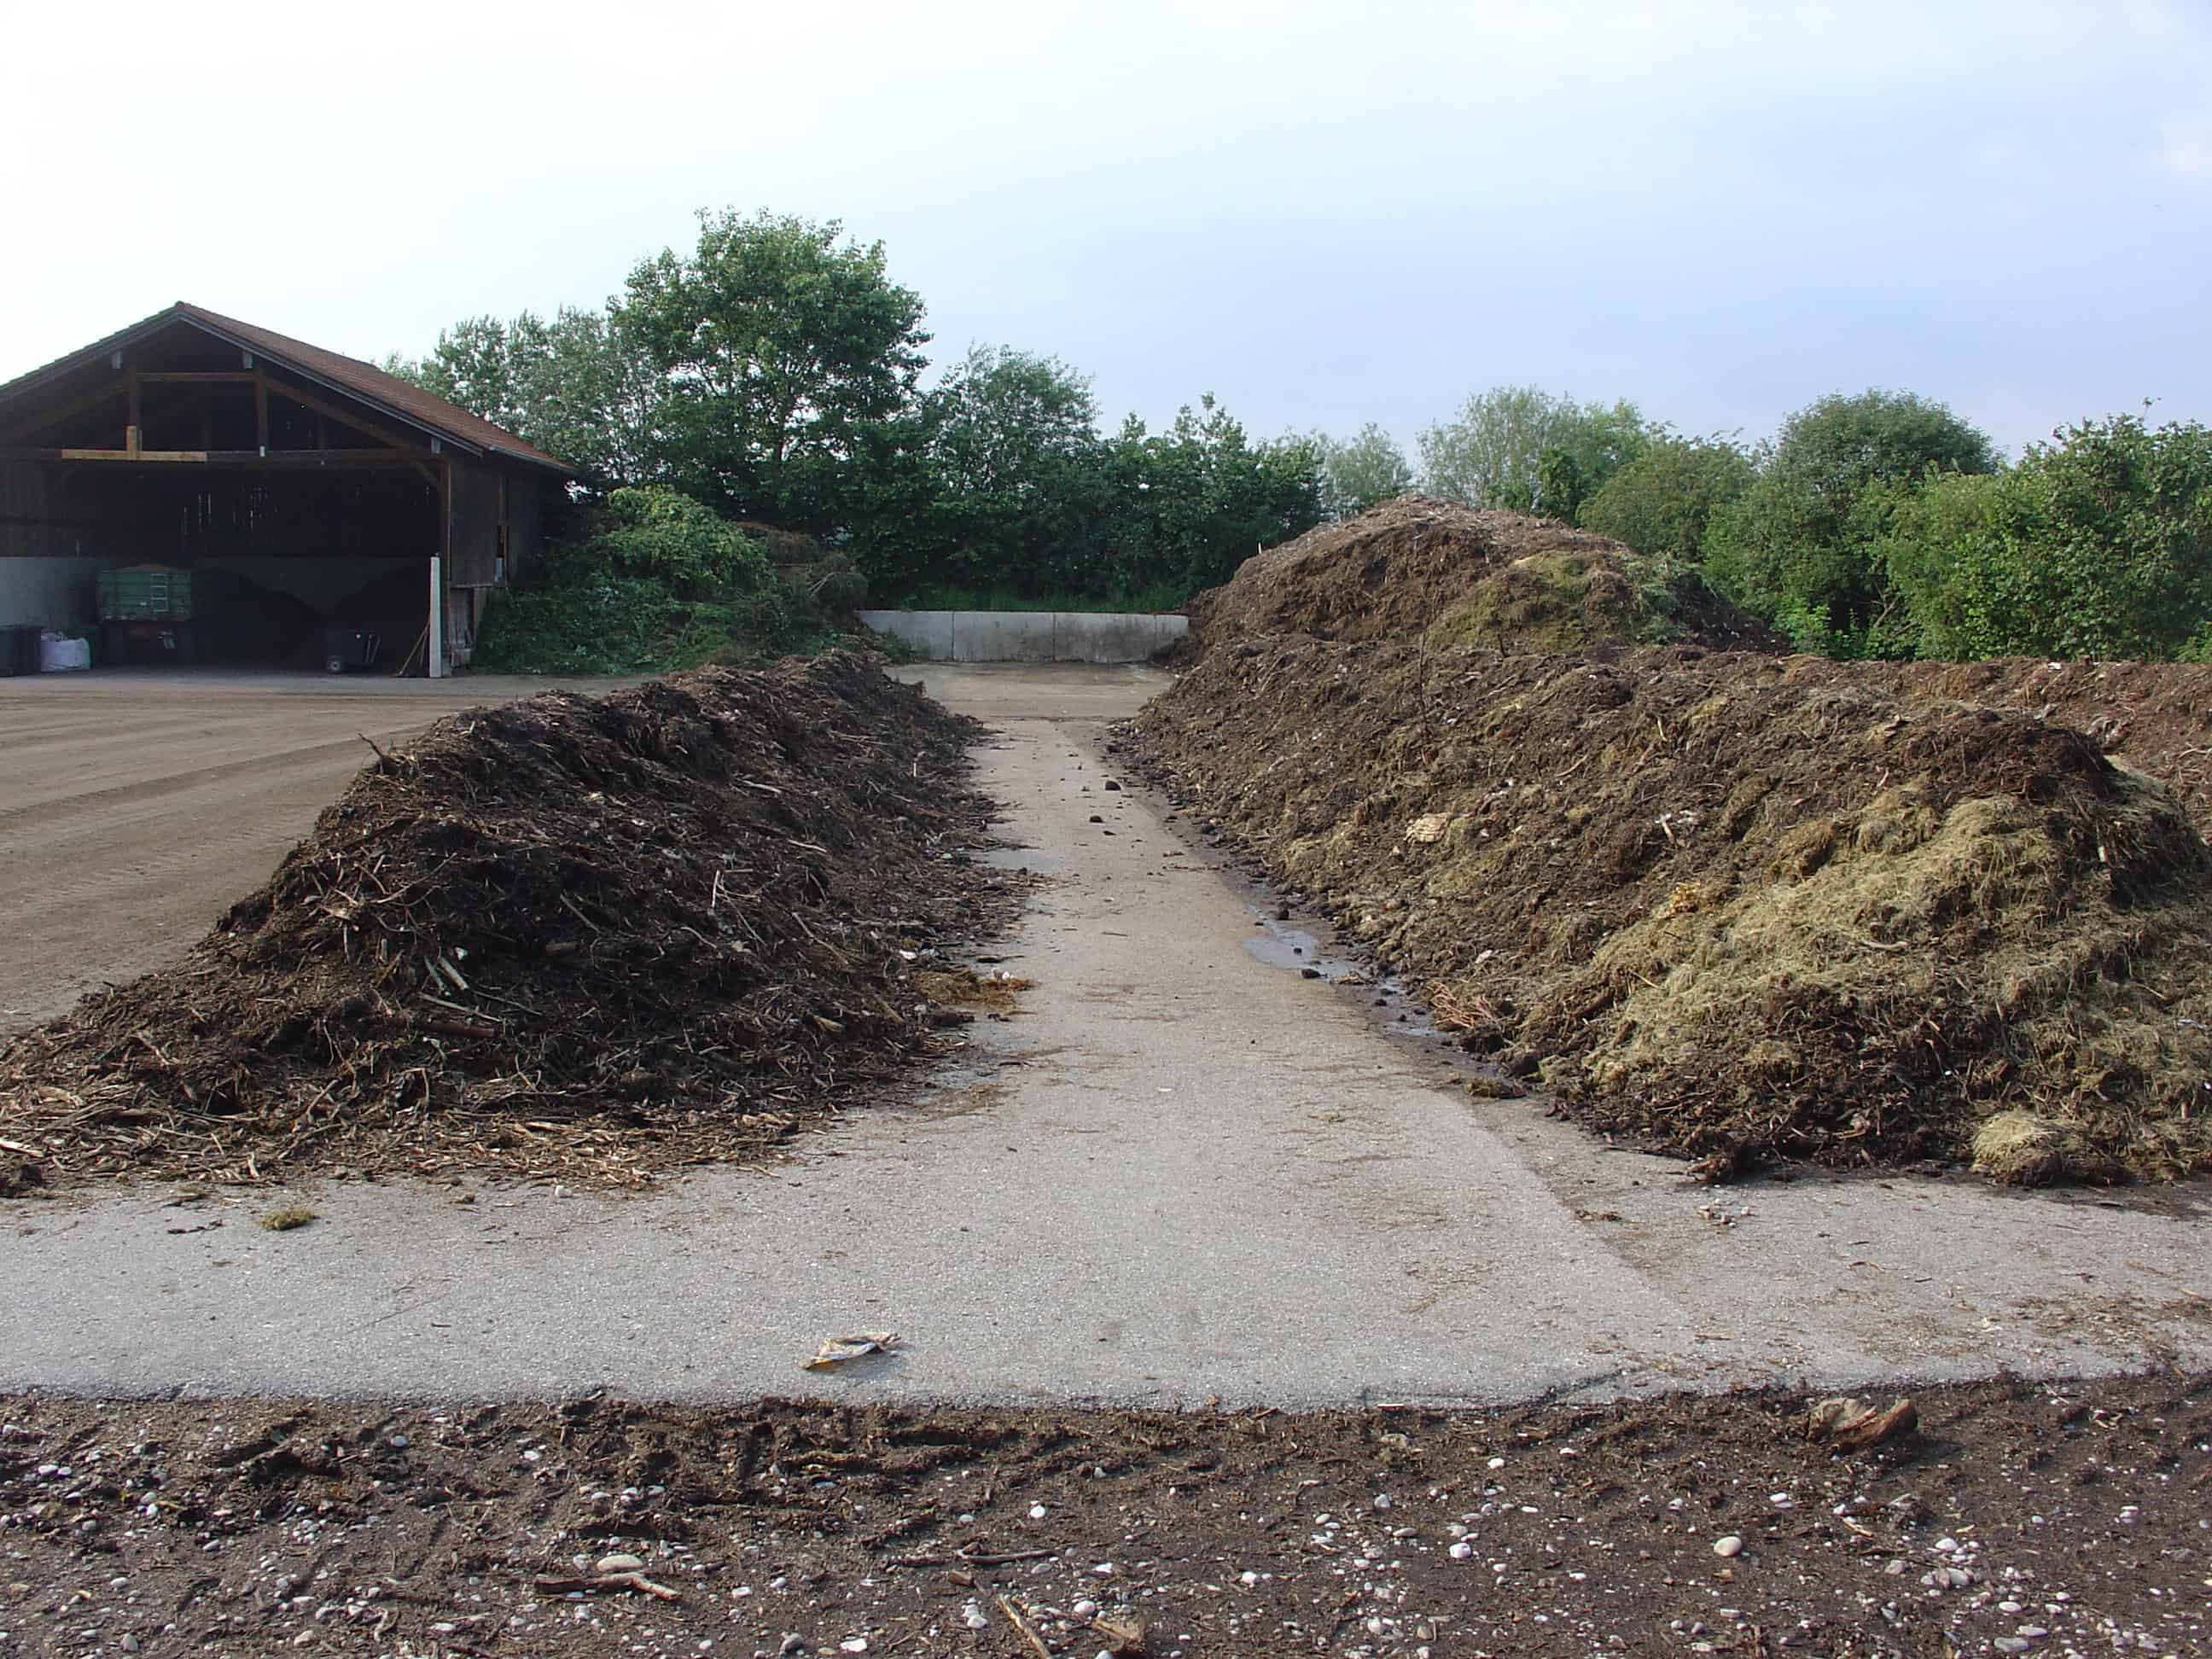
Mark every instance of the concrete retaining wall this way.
pixel 1029 635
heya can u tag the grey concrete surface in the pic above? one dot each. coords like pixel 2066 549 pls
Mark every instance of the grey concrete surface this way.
pixel 1030 636
pixel 1179 1173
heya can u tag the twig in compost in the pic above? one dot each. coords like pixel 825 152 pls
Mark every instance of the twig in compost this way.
pixel 605 1581
pixel 1022 1627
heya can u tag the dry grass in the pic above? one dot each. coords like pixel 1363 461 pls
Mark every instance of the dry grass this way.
pixel 963 988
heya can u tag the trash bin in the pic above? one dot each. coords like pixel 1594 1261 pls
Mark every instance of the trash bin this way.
pixel 19 648
pixel 345 648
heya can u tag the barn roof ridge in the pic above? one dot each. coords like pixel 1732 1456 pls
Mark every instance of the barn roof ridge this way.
pixel 351 377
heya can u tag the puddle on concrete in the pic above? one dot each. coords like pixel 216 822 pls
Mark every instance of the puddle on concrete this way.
pixel 1279 945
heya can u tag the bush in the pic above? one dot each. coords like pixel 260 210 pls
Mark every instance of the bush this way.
pixel 661 535
pixel 662 583
pixel 2097 545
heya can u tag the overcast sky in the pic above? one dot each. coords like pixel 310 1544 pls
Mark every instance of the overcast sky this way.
pixel 1325 215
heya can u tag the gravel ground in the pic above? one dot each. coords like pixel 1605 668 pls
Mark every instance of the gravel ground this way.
pixel 2019 1519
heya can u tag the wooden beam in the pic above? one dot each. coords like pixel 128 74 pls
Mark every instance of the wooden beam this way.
pixel 92 399
pixel 235 376
pixel 344 417
pixel 131 424
pixel 131 453
pixel 277 460
pixel 261 410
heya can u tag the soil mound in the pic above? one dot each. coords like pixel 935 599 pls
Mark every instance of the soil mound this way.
pixel 1417 568
pixel 1740 906
pixel 590 937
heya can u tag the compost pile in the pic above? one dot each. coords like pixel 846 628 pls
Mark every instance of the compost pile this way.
pixel 1420 569
pixel 584 937
pixel 2152 717
pixel 1736 906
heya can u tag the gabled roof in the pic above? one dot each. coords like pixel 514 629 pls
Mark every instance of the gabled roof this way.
pixel 351 377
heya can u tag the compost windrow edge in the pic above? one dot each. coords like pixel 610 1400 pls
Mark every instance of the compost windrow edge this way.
pixel 591 938
pixel 1736 906
pixel 1418 567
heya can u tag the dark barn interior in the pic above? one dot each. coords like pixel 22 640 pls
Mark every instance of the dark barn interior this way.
pixel 306 495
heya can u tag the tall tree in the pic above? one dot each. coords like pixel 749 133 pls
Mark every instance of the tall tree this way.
pixel 1199 498
pixel 1491 454
pixel 1360 471
pixel 776 341
pixel 1800 547
pixel 1014 446
pixel 574 387
pixel 1661 502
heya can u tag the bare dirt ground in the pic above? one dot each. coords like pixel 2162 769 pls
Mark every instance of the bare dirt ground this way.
pixel 2019 1520
pixel 135 805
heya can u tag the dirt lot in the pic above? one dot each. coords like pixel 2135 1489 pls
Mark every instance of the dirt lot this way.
pixel 2020 1519
pixel 135 805
pixel 1189 1169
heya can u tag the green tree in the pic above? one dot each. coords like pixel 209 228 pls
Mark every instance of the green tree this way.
pixel 1559 486
pixel 776 342
pixel 1017 464
pixel 1661 502
pixel 473 367
pixel 1199 498
pixel 1361 472
pixel 574 387
pixel 2098 545
pixel 1491 454
pixel 1800 546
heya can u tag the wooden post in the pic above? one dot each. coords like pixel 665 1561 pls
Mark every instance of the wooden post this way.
pixel 261 410
pixel 130 423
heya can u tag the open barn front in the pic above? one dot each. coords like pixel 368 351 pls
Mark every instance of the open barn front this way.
pixel 196 490
pixel 248 564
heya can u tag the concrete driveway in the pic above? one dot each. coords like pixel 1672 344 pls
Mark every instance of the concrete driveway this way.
pixel 1183 1171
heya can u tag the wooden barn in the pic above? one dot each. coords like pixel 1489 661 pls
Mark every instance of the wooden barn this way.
pixel 312 500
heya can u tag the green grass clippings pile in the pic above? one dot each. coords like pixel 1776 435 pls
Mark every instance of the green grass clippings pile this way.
pixel 1417 568
pixel 589 938
pixel 1736 906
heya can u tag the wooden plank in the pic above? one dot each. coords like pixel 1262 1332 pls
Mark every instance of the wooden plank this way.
pixel 235 376
pixel 131 453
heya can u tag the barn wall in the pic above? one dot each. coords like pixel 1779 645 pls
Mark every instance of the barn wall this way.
pixel 525 521
pixel 51 592
pixel 473 554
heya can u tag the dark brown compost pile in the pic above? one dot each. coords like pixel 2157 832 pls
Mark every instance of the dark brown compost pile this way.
pixel 1420 569
pixel 1734 905
pixel 589 937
